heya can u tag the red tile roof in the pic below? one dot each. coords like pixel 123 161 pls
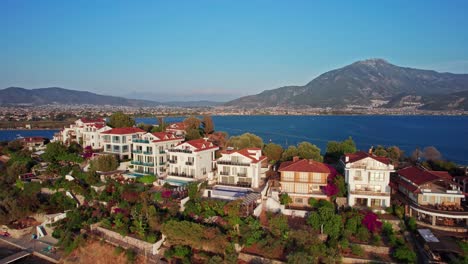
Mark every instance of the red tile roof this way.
pixel 176 126
pixel 353 157
pixel 305 165
pixel 33 139
pixel 124 131
pixel 245 152
pixel 419 175
pixel 400 182
pixel 164 136
pixel 200 144
pixel 88 120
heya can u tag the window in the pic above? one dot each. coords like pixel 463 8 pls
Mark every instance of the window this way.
pixel 299 200
pixel 377 188
pixel 303 177
pixel 125 148
pixel 376 176
pixel 287 187
pixel 317 177
pixel 315 187
pixel 287 176
pixel 301 188
pixel 375 202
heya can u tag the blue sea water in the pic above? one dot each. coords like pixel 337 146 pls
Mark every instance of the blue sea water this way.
pixel 449 134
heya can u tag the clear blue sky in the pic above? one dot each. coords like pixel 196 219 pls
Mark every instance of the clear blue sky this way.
pixel 218 49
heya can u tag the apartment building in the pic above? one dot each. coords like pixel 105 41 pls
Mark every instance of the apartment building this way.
pixel 118 141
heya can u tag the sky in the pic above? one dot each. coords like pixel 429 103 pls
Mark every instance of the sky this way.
pixel 218 50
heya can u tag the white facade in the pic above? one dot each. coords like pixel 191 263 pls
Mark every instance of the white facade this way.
pixel 118 141
pixel 92 136
pixel 149 152
pixel 192 160
pixel 368 181
pixel 75 132
pixel 241 168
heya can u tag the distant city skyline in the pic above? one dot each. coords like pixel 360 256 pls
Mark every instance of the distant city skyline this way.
pixel 218 50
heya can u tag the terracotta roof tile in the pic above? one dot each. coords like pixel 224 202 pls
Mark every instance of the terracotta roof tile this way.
pixel 420 175
pixel 353 157
pixel 304 165
pixel 124 131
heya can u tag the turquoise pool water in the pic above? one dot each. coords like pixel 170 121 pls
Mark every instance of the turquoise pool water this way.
pixel 176 182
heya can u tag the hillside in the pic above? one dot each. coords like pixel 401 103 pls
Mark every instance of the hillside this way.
pixel 359 84
pixel 55 95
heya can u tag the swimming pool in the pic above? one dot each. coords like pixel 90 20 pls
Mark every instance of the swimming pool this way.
pixel 176 182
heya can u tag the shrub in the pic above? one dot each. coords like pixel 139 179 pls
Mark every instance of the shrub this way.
pixel 357 250
pixel 387 229
pixel 404 254
pixel 118 250
pixel 344 243
pixel 411 224
pixel 363 234
pixel 376 239
pixel 131 255
pixel 285 199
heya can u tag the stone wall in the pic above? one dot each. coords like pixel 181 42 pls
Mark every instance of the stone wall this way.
pixel 374 249
pixel 127 241
pixel 249 258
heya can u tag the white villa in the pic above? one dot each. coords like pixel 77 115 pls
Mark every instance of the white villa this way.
pixel 192 160
pixel 149 152
pixel 368 179
pixel 75 132
pixel 241 167
pixel 118 141
pixel 92 135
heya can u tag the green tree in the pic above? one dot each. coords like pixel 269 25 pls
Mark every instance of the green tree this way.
pixel 289 153
pixel 335 149
pixel 192 133
pixel 285 199
pixel 246 140
pixel 207 124
pixel 53 151
pixel 404 254
pixel 119 119
pixel 278 226
pixel 307 150
pixel 104 163
pixel 273 151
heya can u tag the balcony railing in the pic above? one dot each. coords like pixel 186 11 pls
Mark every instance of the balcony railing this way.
pixel 180 175
pixel 137 151
pixel 162 151
pixel 141 141
pixel 190 163
pixel 370 192
pixel 150 164
pixel 225 162
pixel 242 174
pixel 224 173
pixel 136 162
pixel 162 163
pixel 147 152
pixel 180 150
pixel 172 161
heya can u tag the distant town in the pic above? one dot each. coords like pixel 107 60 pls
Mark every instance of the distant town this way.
pixel 186 193
pixel 56 116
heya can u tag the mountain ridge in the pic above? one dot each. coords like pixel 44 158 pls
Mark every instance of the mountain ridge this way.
pixel 359 84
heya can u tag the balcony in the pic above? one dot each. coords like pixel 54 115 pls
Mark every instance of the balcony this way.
pixel 141 141
pixel 225 162
pixel 162 163
pixel 149 164
pixel 162 152
pixel 190 163
pixel 368 191
pixel 172 161
pixel 180 150
pixel 175 174
pixel 147 152
pixel 224 173
pixel 357 178
pixel 136 162
pixel 137 151
pixel 242 174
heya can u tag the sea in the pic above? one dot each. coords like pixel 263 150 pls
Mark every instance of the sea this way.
pixel 449 134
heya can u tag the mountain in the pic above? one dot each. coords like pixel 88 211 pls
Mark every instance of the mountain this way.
pixel 201 103
pixel 55 95
pixel 360 83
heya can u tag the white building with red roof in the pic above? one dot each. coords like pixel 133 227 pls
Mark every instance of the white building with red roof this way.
pixel 149 152
pixel 92 135
pixel 431 196
pixel 242 168
pixel 34 143
pixel 192 160
pixel 368 178
pixel 177 128
pixel 303 179
pixel 118 141
pixel 75 132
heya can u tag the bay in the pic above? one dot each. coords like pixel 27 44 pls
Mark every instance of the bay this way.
pixel 449 134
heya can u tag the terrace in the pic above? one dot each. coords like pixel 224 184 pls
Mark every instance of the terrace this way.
pixel 232 163
pixel 181 150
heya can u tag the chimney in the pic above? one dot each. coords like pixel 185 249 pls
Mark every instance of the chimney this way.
pixel 370 150
pixel 346 158
pixel 295 158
